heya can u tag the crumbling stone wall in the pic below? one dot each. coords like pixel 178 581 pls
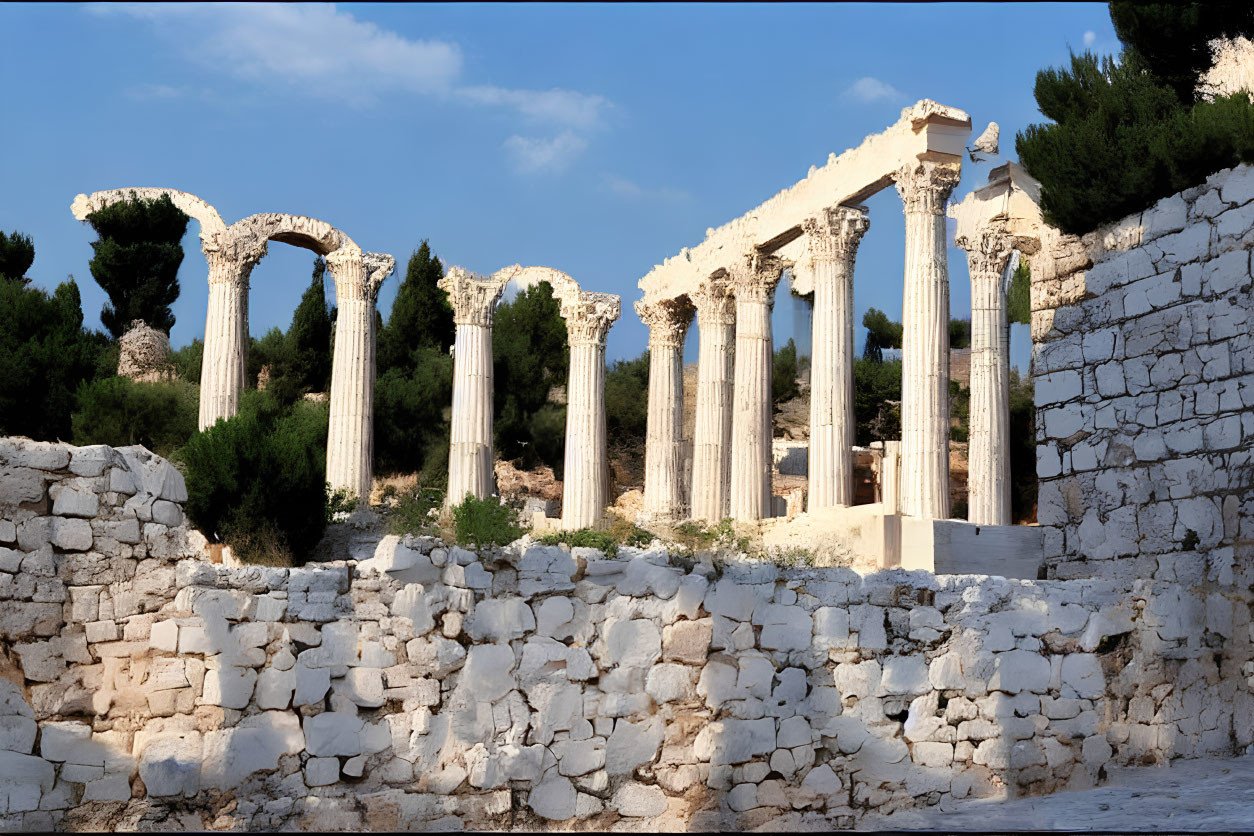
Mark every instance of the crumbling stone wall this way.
pixel 434 688
pixel 1143 360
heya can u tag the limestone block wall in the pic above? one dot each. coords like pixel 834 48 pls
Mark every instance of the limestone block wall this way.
pixel 431 687
pixel 1143 359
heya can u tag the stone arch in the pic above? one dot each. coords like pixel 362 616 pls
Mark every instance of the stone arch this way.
pixel 211 223
pixel 565 289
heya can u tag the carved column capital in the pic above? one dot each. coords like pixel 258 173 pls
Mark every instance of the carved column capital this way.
pixel 234 254
pixel 754 277
pixel 358 275
pixel 835 233
pixel 925 185
pixel 715 303
pixel 589 316
pixel 988 249
pixel 667 319
pixel 473 297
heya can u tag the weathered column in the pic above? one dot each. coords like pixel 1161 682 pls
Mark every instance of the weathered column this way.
pixel 924 187
pixel 585 482
pixel 711 449
pixel 668 323
pixel 222 366
pixel 754 281
pixel 831 244
pixel 988 482
pixel 471 455
pixel 358 277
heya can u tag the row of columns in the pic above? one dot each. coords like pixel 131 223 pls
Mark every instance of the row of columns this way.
pixel 358 277
pixel 732 462
pixel 585 486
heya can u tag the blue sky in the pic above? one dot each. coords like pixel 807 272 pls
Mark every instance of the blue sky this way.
pixel 597 139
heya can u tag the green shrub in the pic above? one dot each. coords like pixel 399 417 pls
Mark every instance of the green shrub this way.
pixel 341 502
pixel 187 361
pixel 485 522
pixel 265 467
pixel 120 412
pixel 620 532
pixel 413 512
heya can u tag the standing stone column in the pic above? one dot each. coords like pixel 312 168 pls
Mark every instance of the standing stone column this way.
pixel 471 452
pixel 924 187
pixel 711 453
pixel 988 483
pixel 350 442
pixel 832 240
pixel 585 484
pixel 668 323
pixel 223 364
pixel 751 463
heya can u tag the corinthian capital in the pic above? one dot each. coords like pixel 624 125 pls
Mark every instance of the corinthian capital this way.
pixel 668 320
pixel 988 249
pixel 755 276
pixel 358 275
pixel 589 316
pixel 925 185
pixel 835 233
pixel 715 303
pixel 473 297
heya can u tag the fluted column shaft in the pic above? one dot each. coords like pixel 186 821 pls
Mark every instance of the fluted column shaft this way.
pixel 663 486
pixel 924 188
pixel 711 454
pixel 471 451
pixel 988 482
pixel 222 368
pixel 585 482
pixel 349 434
pixel 832 244
pixel 751 461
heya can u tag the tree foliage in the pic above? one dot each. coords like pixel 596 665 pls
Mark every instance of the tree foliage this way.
pixel 410 403
pixel 876 400
pixel 1127 131
pixel 627 398
pixel 421 315
pixel 120 412
pixel 959 333
pixel 881 333
pixel 1019 296
pixel 136 261
pixel 784 373
pixel 17 254
pixel 530 356
pixel 310 335
pixel 260 476
pixel 45 354
pixel 1023 484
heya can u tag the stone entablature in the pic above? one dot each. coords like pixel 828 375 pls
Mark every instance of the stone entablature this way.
pixel 431 687
pixel 1143 361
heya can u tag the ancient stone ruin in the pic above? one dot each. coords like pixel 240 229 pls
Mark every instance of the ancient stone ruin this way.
pixel 144 353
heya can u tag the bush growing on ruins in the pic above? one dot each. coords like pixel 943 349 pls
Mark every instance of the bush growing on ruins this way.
pixel 45 354
pixel 120 412
pixel 263 469
pixel 136 261
pixel 1127 131
pixel 485 522
pixel 619 532
pixel 17 254
pixel 530 356
pixel 416 510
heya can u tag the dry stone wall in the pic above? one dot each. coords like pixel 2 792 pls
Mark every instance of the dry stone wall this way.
pixel 1143 360
pixel 430 687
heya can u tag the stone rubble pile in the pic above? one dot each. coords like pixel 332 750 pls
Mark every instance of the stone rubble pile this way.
pixel 434 687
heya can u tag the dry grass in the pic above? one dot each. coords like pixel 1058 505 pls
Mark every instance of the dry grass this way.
pixel 385 488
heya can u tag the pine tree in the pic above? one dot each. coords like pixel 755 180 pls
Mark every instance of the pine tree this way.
pixel 137 260
pixel 310 335
pixel 17 254
pixel 421 315
pixel 530 355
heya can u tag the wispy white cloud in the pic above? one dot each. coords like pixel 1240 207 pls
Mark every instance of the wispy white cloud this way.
pixel 868 89
pixel 1090 37
pixel 323 52
pixel 631 190
pixel 536 155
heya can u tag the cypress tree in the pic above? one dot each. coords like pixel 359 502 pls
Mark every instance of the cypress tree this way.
pixel 421 315
pixel 137 260
pixel 17 254
pixel 310 335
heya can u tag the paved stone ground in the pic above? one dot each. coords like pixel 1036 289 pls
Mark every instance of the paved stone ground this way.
pixel 1204 794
